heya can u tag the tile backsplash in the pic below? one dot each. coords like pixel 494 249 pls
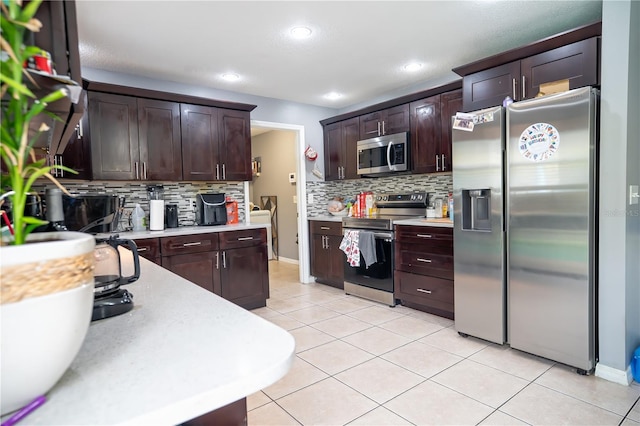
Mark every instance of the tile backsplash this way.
pixel 440 184
pixel 184 193
pixel 181 193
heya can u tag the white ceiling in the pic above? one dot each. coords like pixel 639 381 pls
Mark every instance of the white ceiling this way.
pixel 357 48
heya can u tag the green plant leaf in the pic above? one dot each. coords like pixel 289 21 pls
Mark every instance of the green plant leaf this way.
pixel 29 10
pixel 16 85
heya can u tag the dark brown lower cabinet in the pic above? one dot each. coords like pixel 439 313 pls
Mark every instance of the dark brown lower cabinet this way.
pixel 231 264
pixel 199 268
pixel 423 276
pixel 327 260
pixel 245 277
pixel 234 414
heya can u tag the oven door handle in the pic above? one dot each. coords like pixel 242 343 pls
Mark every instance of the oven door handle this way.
pixel 383 235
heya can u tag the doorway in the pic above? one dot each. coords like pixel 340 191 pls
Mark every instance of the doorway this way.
pixel 301 192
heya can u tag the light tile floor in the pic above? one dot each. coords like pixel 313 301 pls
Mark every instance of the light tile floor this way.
pixel 363 363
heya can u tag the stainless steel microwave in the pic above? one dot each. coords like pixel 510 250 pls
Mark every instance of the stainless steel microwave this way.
pixel 384 154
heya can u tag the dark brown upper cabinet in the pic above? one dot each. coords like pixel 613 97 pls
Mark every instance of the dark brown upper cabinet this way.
pixel 425 135
pixel 385 122
pixel 431 131
pixel 113 122
pixel 134 139
pixel 216 143
pixel 200 152
pixel 577 62
pixel 160 140
pixel 340 152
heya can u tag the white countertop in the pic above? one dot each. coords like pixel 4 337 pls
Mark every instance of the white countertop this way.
pixel 327 218
pixel 186 230
pixel 443 223
pixel 180 353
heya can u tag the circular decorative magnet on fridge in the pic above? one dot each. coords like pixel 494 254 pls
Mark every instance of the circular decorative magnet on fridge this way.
pixel 539 142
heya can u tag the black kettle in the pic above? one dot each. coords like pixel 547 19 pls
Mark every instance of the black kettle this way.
pixel 108 267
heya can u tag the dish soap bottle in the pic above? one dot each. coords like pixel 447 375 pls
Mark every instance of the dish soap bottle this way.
pixel 137 219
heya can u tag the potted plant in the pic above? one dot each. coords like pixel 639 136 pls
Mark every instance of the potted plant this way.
pixel 46 286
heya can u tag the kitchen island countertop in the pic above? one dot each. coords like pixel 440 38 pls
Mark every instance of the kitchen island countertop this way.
pixel 180 353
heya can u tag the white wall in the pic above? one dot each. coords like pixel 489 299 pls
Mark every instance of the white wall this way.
pixel 277 150
pixel 619 235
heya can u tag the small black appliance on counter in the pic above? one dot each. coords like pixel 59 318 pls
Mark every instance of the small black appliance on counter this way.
pixel 211 209
pixel 92 213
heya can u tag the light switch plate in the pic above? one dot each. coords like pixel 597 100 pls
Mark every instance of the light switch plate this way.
pixel 633 194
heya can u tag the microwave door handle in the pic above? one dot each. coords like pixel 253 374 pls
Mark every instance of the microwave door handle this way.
pixel 389 148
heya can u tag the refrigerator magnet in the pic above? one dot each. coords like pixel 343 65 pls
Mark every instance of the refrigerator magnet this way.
pixel 539 142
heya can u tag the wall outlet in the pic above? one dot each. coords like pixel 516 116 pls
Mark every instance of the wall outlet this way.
pixel 309 198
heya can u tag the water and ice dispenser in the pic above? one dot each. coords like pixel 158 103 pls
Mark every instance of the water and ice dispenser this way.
pixel 476 209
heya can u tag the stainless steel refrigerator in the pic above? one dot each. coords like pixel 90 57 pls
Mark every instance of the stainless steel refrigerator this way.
pixel 525 197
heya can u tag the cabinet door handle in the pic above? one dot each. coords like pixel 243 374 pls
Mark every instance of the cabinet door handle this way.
pixel 142 249
pixel 378 128
pixel 437 163
pixel 224 172
pixel 137 171
pixel 60 163
pixel 197 243
pixel 224 259
pixel 422 290
pixel 419 259
pixel 325 228
pixel 80 130
pixel 217 171
pixel 513 83
pixel 443 166
pixel 217 260
pixel 424 235
pixel 524 88
pixel 144 170
pixel 384 131
pixel 245 238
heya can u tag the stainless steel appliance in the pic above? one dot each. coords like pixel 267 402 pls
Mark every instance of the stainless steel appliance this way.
pixel 92 213
pixel 524 187
pixel 383 154
pixel 211 209
pixel 376 281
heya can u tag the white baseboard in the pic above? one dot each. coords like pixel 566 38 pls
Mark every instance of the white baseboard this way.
pixel 287 260
pixel 622 377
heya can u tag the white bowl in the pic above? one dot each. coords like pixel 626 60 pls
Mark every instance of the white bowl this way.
pixel 41 335
pixel 40 338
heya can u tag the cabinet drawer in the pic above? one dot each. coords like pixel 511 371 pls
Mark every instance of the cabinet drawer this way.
pixel 148 248
pixel 418 262
pixel 189 244
pixel 425 235
pixel 326 228
pixel 430 294
pixel 244 238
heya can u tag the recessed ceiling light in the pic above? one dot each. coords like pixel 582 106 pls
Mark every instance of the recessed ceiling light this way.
pixel 333 96
pixel 300 32
pixel 230 76
pixel 413 66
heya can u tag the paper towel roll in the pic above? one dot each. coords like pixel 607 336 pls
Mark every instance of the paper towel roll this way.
pixel 156 215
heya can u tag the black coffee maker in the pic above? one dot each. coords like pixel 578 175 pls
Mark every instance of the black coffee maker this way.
pixel 110 299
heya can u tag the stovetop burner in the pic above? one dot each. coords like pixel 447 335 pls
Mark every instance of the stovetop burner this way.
pixel 112 304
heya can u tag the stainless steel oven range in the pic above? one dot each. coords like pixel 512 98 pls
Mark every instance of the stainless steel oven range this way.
pixel 376 281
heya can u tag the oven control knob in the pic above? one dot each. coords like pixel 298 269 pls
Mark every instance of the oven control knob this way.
pixel 379 197
pixel 384 198
pixel 413 197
